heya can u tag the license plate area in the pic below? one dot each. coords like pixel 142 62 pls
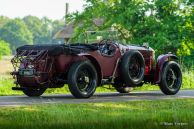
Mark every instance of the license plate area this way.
pixel 27 72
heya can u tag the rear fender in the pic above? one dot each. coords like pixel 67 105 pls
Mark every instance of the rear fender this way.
pixel 96 65
pixel 161 61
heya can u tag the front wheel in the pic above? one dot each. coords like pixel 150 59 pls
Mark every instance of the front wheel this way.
pixel 171 78
pixel 82 79
pixel 31 92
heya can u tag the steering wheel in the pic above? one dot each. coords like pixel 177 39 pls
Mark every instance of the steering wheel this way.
pixel 108 47
pixel 104 41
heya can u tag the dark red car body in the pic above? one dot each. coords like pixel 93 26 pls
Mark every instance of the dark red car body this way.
pixel 48 65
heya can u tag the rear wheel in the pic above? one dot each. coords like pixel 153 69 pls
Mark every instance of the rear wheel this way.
pixel 171 78
pixel 82 79
pixel 31 92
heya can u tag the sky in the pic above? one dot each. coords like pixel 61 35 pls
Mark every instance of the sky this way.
pixel 54 9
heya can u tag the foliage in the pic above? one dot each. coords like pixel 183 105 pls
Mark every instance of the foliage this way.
pixel 34 25
pixel 167 25
pixel 16 33
pixel 3 20
pixel 48 29
pixel 56 26
pixel 161 23
pixel 4 48
pixel 29 30
pixel 187 30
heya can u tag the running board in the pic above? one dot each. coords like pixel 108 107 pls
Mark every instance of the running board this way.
pixel 18 88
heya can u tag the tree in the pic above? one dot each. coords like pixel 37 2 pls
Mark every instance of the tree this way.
pixel 161 29
pixel 187 29
pixel 56 26
pixel 157 22
pixel 16 33
pixel 34 24
pixel 4 48
pixel 3 20
pixel 46 31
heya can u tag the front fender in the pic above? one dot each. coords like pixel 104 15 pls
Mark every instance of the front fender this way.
pixel 162 59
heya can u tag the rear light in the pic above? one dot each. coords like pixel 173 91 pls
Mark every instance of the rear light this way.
pixel 146 70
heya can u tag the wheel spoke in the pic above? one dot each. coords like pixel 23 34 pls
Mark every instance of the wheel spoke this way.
pixel 134 68
pixel 83 80
pixel 171 78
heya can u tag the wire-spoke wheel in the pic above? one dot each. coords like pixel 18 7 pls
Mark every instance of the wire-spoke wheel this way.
pixel 82 79
pixel 171 78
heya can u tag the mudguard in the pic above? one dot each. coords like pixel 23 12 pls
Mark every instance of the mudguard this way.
pixel 96 65
pixel 162 59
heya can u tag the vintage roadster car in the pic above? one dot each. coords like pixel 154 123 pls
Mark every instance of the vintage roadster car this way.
pixel 84 67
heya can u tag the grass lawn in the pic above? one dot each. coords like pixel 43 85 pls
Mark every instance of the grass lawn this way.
pixel 164 114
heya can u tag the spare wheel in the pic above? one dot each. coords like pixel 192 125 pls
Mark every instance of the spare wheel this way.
pixel 132 68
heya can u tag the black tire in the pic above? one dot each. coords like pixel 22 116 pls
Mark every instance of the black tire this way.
pixel 132 68
pixel 82 79
pixel 34 92
pixel 171 78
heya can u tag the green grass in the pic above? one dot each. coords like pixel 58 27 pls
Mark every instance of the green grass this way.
pixel 164 114
pixel 188 79
pixel 6 83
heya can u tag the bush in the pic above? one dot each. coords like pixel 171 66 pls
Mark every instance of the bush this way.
pixel 4 48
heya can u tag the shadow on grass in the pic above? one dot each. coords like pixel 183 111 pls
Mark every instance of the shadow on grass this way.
pixel 171 114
